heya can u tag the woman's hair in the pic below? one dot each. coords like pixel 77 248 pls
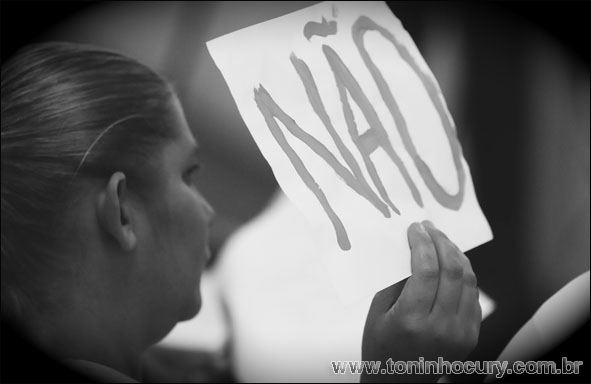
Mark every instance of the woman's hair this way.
pixel 69 113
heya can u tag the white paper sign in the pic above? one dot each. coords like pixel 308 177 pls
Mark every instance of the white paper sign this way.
pixel 354 125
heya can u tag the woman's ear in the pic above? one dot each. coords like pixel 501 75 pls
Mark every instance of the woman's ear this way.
pixel 114 212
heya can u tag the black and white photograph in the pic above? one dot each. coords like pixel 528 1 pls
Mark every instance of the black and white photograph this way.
pixel 295 191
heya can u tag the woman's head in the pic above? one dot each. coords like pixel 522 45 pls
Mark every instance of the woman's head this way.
pixel 92 144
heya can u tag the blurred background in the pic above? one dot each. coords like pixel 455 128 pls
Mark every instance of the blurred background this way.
pixel 516 79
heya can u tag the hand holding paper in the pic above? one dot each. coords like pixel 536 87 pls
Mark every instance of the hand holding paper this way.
pixel 353 123
pixel 435 314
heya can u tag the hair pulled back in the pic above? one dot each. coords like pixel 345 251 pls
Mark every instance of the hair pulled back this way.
pixel 69 113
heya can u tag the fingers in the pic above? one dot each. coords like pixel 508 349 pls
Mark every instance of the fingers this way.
pixel 457 293
pixel 421 288
pixel 442 281
pixel 451 272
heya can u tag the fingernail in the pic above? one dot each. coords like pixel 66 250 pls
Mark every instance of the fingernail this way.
pixel 429 223
pixel 422 228
pixel 416 226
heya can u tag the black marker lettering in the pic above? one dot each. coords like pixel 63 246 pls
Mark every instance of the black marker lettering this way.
pixel 356 181
pixel 376 136
pixel 271 111
pixel 452 201
pixel 323 29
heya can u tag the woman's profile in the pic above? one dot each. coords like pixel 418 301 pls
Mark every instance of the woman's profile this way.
pixel 105 232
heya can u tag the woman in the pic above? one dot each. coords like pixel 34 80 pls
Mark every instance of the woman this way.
pixel 104 232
